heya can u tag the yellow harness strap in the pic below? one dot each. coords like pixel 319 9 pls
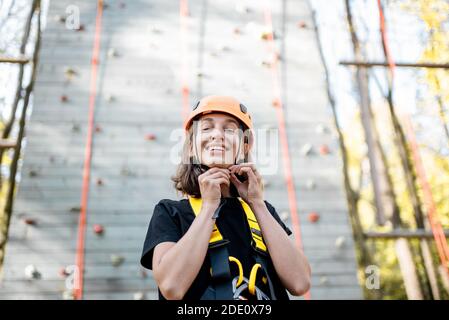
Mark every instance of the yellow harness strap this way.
pixel 254 226
pixel 196 204
pixel 216 236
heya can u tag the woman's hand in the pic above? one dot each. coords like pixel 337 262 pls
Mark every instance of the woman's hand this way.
pixel 210 185
pixel 251 190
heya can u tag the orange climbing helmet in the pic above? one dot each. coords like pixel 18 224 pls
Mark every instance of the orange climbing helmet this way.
pixel 224 104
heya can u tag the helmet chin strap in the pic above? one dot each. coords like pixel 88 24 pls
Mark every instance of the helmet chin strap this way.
pixel 238 159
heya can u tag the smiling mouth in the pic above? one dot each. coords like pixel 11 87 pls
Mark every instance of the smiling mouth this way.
pixel 216 149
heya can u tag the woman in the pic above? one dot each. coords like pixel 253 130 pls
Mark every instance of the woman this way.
pixel 224 241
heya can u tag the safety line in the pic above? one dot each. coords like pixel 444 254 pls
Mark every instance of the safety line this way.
pixel 80 252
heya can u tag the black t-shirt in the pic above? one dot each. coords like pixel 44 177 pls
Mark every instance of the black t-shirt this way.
pixel 171 220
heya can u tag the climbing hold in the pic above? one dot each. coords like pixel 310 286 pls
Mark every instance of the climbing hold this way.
pixel 285 215
pixel 200 74
pixel 126 172
pixel 324 280
pixel 241 8
pixel 266 63
pixel 321 128
pixel 150 137
pixel 59 18
pixel 75 209
pixel 80 28
pixel 29 221
pixel 99 182
pixel 117 260
pixel 63 272
pixel 324 149
pixel 276 103
pixel 112 53
pixel 302 24
pixel 68 295
pixel 51 159
pixel 340 242
pixel 98 229
pixel 75 127
pixel 122 5
pixel 237 31
pixel 110 98
pixel 97 128
pixel 269 35
pixel 70 73
pixel 313 217
pixel 266 35
pixel 139 295
pixel 310 184
pixel 306 149
pixel 64 98
pixel 33 173
pixel 32 273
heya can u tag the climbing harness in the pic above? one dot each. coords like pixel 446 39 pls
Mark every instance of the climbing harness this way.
pixel 224 287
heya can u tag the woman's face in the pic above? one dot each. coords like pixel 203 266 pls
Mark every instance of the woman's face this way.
pixel 217 140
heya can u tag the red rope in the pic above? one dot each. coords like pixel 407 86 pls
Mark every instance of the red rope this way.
pixel 78 291
pixel 435 224
pixel 277 103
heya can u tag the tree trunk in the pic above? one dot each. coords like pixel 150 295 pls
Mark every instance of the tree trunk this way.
pixel 408 269
pixel 430 268
pixel 22 121
pixel 10 122
pixel 384 199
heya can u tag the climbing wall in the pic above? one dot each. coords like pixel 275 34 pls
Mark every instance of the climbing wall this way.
pixel 138 107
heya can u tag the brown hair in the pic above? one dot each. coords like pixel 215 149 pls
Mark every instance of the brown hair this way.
pixel 186 177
